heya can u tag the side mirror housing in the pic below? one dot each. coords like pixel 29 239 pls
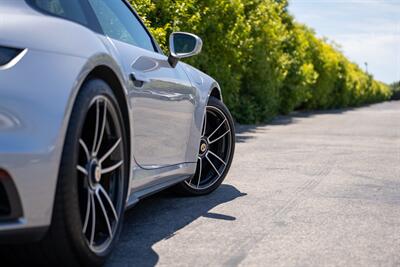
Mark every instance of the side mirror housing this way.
pixel 183 45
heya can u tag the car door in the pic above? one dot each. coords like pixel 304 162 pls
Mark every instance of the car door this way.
pixel 162 97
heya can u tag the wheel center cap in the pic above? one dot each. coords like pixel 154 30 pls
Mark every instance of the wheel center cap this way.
pixel 97 174
pixel 203 147
pixel 94 172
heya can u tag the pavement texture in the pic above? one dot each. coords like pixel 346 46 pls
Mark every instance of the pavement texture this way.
pixel 312 189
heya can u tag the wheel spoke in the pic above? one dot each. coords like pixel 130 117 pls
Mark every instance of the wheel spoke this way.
pixel 85 148
pixel 93 220
pixel 204 125
pixel 200 172
pixel 112 168
pixel 89 201
pixel 82 170
pixel 103 191
pixel 212 164
pixel 221 136
pixel 105 214
pixel 96 129
pixel 216 130
pixel 103 126
pixel 215 155
pixel 109 152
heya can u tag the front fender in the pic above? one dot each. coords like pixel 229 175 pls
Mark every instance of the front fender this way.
pixel 36 99
pixel 205 86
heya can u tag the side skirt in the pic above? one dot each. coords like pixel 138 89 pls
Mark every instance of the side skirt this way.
pixel 149 182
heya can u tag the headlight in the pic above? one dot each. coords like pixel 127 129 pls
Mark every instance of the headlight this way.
pixel 7 54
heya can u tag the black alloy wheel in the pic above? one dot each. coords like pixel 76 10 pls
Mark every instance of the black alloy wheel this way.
pixel 217 147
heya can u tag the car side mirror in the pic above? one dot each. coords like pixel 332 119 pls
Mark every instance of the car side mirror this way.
pixel 183 45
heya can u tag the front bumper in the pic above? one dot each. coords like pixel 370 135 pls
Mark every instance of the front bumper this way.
pixel 35 103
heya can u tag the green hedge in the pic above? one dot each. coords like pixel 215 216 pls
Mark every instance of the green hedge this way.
pixel 265 62
pixel 395 87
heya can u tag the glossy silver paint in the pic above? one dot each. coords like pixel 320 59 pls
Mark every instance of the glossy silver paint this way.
pixel 37 93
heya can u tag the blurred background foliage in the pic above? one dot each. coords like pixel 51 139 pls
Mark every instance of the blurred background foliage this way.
pixel 396 90
pixel 265 62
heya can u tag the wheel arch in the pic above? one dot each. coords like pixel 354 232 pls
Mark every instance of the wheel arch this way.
pixel 216 92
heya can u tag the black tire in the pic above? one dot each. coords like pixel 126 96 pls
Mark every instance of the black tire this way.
pixel 186 188
pixel 65 244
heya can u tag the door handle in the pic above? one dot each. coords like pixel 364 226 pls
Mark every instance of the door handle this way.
pixel 139 79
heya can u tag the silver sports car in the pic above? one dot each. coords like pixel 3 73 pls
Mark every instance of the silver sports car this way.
pixel 93 118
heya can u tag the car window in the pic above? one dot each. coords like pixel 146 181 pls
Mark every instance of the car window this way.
pixel 68 9
pixel 120 23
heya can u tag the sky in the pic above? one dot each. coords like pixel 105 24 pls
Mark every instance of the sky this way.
pixel 367 30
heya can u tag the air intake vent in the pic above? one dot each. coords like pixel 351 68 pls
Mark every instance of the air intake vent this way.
pixel 10 204
pixel 7 54
pixel 5 208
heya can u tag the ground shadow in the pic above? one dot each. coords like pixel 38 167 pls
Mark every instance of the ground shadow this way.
pixel 160 217
pixel 245 133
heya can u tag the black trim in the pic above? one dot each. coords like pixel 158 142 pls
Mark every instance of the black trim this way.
pixel 173 61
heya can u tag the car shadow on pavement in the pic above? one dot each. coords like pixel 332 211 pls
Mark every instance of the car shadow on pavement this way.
pixel 159 218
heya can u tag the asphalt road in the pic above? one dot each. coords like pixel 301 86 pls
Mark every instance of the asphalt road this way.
pixel 313 189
